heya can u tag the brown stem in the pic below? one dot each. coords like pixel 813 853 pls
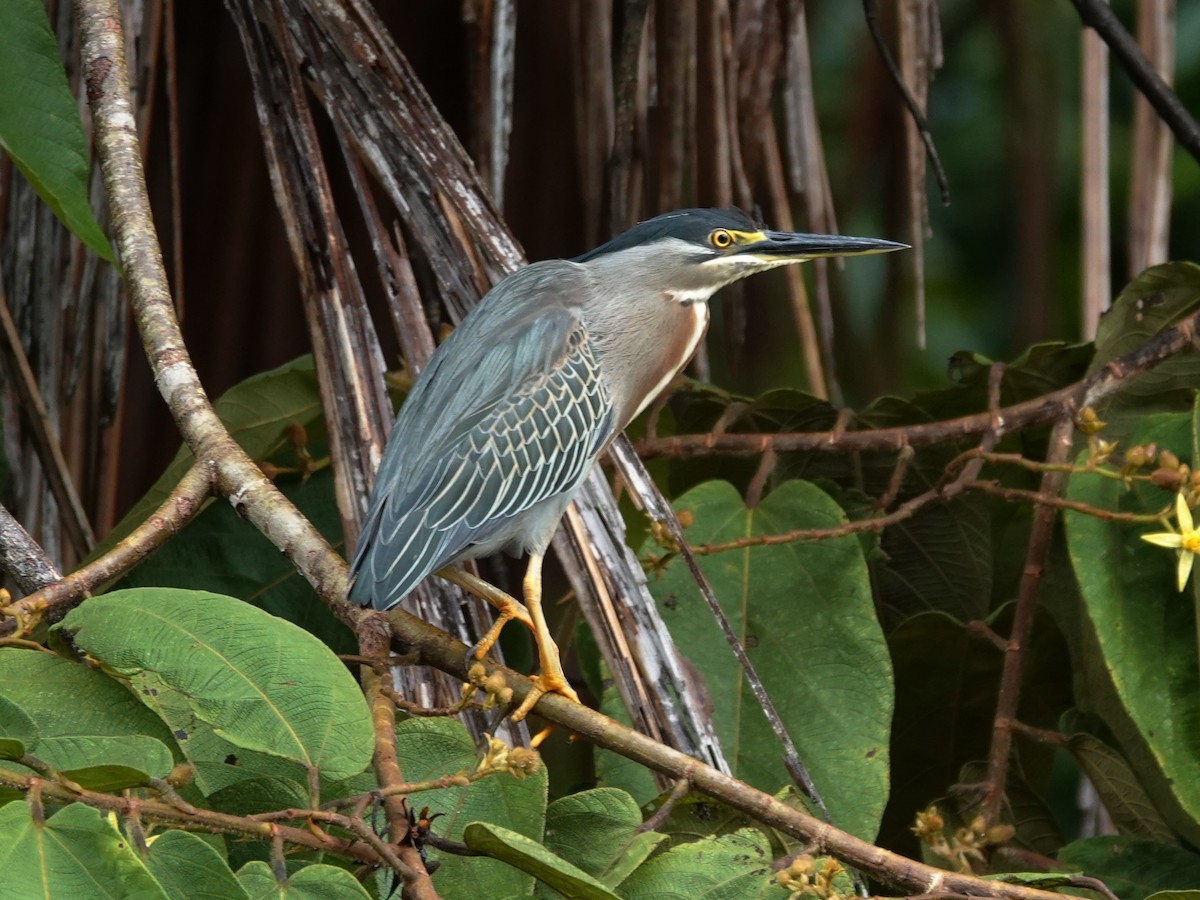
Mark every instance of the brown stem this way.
pixel 237 477
pixel 436 648
pixel 1010 679
pixel 373 642
pixel 1050 407
pixel 181 504
pixel 58 791
pixel 42 432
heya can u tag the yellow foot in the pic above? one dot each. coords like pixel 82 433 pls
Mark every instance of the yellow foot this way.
pixel 545 683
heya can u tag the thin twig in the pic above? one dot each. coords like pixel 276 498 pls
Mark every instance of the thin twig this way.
pixel 184 501
pixel 870 12
pixel 1031 579
pixel 1037 411
pixel 1098 15
pixel 42 431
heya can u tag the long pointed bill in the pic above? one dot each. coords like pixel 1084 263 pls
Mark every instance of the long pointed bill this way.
pixel 787 245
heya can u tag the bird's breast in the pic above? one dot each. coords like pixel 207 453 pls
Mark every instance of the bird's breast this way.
pixel 664 346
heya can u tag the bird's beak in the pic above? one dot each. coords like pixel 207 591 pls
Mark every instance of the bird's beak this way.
pixel 788 245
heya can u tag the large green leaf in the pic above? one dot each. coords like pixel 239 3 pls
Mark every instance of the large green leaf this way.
pixel 257 412
pixel 188 868
pixel 39 120
pixel 261 683
pixel 805 615
pixel 1150 303
pixel 317 882
pixel 217 764
pixel 1139 637
pixel 530 856
pixel 74 853
pixel 87 724
pixel 218 551
pixel 599 831
pixel 429 748
pixel 730 867
pixel 1133 869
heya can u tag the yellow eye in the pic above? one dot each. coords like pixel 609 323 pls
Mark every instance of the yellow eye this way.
pixel 721 238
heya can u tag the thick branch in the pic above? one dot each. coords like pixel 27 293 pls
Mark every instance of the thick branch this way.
pixel 237 477
pixel 55 594
pixel 436 648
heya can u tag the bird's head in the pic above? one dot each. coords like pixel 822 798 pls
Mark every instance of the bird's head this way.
pixel 693 253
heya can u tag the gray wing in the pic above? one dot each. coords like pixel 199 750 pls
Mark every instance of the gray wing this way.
pixel 509 413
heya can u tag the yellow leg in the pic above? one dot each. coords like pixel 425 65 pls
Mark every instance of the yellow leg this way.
pixel 551 678
pixel 508 608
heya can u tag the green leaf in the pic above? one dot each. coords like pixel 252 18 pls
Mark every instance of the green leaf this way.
pixel 74 853
pixel 1132 868
pixel 216 763
pixel 1046 881
pixel 597 831
pixel 316 882
pixel 261 683
pixel 39 120
pixel 429 748
pixel 188 868
pixel 530 856
pixel 1131 811
pixel 257 411
pixel 805 614
pixel 730 867
pixel 1175 895
pixel 18 733
pixel 1158 297
pixel 1139 634
pixel 218 551
pixel 87 724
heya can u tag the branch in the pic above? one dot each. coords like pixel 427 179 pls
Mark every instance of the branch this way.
pixel 373 642
pixel 237 478
pixel 22 557
pixel 187 816
pixel 1031 578
pixel 1038 411
pixel 55 596
pixel 435 648
pixel 1097 15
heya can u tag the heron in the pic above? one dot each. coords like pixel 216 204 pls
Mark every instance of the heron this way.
pixel 512 411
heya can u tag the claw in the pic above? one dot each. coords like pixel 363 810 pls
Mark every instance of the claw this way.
pixel 545 683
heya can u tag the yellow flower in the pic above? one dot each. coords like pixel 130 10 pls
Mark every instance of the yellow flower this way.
pixel 1187 541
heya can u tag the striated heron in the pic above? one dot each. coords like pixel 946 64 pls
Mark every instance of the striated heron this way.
pixel 503 425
